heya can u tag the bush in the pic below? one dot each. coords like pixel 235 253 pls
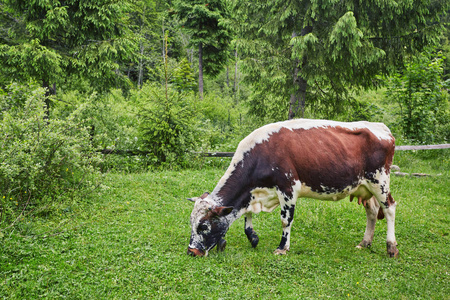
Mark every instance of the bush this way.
pixel 43 161
pixel 111 118
pixel 423 101
pixel 167 124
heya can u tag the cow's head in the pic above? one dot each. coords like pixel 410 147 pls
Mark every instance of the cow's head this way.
pixel 209 224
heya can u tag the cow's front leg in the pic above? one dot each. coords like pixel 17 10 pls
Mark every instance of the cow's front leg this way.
pixel 251 234
pixel 371 213
pixel 287 217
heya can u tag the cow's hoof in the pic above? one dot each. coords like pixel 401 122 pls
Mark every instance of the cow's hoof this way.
pixel 280 251
pixel 392 250
pixel 364 244
pixel 221 245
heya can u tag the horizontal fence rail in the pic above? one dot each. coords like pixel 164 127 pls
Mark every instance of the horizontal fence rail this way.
pixel 397 148
pixel 230 154
pixel 423 147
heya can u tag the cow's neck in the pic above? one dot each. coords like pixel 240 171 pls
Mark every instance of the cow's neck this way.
pixel 234 189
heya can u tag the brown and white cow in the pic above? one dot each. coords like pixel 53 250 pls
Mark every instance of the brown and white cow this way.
pixel 280 162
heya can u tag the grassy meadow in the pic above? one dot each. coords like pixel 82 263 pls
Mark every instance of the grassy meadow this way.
pixel 130 242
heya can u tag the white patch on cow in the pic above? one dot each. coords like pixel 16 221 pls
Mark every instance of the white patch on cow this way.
pixel 307 192
pixel 360 190
pixel 200 209
pixel 263 134
pixel 263 199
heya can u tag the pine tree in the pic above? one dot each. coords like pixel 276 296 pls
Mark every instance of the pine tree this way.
pixel 317 52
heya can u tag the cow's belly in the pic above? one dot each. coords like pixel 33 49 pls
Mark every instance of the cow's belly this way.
pixel 263 199
pixel 267 199
pixel 332 195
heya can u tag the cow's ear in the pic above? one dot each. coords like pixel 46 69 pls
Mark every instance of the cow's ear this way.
pixel 205 194
pixel 223 211
pixel 193 199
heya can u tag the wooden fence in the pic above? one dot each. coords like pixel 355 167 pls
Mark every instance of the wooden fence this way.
pixel 397 148
pixel 230 154
pixel 424 147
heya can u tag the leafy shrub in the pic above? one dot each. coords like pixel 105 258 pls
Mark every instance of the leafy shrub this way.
pixel 223 123
pixel 111 119
pixel 423 101
pixel 43 160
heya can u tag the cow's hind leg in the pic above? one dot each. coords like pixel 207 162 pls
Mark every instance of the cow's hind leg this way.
pixel 251 234
pixel 287 217
pixel 372 208
pixel 389 213
pixel 387 203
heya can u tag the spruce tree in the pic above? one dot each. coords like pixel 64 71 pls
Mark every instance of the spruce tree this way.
pixel 315 53
pixel 77 38
pixel 202 20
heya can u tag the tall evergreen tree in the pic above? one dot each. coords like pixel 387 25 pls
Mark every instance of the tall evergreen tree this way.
pixel 144 19
pixel 201 19
pixel 63 38
pixel 316 52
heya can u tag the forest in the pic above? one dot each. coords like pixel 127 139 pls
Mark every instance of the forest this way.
pixel 107 108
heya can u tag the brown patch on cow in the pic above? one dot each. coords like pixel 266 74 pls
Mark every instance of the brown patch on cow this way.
pixel 380 215
pixel 390 200
pixel 218 211
pixel 318 154
pixel 312 156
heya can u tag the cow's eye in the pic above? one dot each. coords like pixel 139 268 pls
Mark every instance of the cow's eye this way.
pixel 202 227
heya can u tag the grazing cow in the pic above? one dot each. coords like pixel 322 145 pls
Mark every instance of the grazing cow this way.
pixel 280 162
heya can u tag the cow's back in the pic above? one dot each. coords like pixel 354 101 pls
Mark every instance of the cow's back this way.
pixel 319 153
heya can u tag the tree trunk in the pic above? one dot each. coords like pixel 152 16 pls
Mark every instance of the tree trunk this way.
pixel 298 97
pixel 141 67
pixel 228 76
pixel 163 37
pixel 235 86
pixel 49 90
pixel 200 70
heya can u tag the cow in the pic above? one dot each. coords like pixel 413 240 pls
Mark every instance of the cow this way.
pixel 280 162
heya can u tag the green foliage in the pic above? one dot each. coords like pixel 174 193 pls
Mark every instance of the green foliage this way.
pixel 31 60
pixel 110 117
pixel 72 37
pixel 167 122
pixel 112 125
pixel 223 124
pixel 183 77
pixel 325 50
pixel 362 111
pixel 44 161
pixel 420 93
pixel 202 21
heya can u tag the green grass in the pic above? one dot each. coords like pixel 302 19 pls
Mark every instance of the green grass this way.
pixel 130 242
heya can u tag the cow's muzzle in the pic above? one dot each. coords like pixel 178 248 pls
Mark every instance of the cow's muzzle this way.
pixel 195 252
